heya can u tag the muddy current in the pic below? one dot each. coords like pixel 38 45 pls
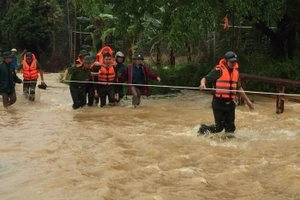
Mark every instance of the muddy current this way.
pixel 49 151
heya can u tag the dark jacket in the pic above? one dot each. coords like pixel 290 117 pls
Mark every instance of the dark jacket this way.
pixel 120 68
pixel 128 76
pixel 8 78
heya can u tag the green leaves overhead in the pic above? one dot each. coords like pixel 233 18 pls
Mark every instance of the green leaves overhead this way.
pixel 31 23
pixel 175 22
pixel 256 10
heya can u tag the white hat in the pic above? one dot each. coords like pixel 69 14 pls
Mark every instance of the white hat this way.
pixel 15 50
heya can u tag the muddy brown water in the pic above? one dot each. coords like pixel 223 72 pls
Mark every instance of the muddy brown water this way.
pixel 49 151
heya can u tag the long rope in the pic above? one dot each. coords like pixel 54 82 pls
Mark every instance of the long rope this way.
pixel 187 88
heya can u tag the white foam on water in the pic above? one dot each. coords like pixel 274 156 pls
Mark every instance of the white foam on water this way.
pixel 188 170
pixel 158 197
pixel 153 167
pixel 241 168
pixel 269 134
pixel 61 107
pixel 194 131
pixel 245 113
pixel 294 167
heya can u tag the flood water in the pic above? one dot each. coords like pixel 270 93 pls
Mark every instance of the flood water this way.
pixel 49 151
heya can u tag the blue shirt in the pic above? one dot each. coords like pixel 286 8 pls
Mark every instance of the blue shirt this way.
pixel 15 62
pixel 137 75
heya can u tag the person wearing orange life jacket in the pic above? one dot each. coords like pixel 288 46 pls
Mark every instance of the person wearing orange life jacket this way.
pixel 107 76
pixel 82 54
pixel 225 77
pixel 78 62
pixel 31 68
pixel 99 56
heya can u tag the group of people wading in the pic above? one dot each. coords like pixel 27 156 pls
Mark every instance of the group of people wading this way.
pixel 104 71
pixel 8 76
pixel 96 78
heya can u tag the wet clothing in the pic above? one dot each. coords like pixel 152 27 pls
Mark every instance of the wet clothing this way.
pixel 136 95
pixel 9 98
pixel 120 68
pixel 78 90
pixel 78 96
pixel 107 89
pixel 138 75
pixel 29 89
pixel 29 85
pixel 223 108
pixel 8 78
pixel 90 88
pixel 128 76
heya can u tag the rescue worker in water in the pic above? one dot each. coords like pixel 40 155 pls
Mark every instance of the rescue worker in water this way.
pixel 225 78
pixel 77 75
pixel 31 68
pixel 107 76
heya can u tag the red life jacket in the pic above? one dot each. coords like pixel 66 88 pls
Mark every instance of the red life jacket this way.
pixel 227 81
pixel 107 75
pixel 30 72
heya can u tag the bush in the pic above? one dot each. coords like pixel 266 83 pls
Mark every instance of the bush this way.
pixel 262 66
pixel 188 74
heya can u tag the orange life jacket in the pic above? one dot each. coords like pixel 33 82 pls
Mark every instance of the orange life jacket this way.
pixel 79 60
pixel 99 56
pixel 107 75
pixel 227 81
pixel 30 72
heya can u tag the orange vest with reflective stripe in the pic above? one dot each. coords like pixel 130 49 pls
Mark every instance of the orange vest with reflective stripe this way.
pixel 227 81
pixel 107 75
pixel 30 72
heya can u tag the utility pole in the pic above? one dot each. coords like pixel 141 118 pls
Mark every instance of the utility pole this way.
pixel 214 40
pixel 69 31
pixel 74 53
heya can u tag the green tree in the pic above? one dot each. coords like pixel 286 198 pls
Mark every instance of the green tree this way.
pixel 282 14
pixel 30 24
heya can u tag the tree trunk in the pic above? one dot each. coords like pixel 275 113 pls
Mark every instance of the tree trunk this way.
pixel 280 40
pixel 75 35
pixel 158 55
pixel 189 58
pixel 172 58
